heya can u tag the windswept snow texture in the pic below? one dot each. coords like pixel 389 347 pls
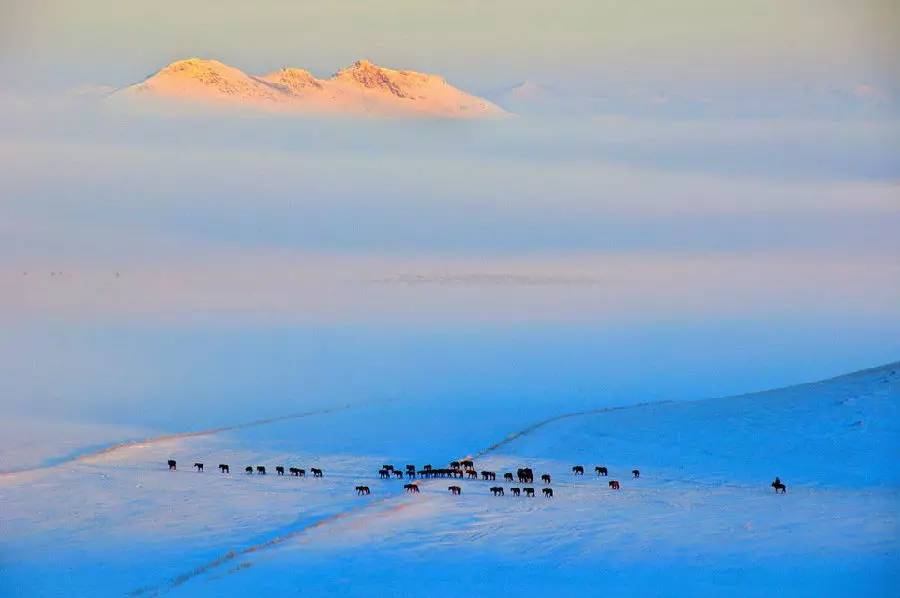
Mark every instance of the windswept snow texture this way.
pixel 701 519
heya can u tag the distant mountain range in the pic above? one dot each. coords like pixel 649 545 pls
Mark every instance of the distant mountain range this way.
pixel 363 88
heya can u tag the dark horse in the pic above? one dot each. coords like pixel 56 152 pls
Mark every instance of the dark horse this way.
pixel 279 470
pixel 601 470
pixel 548 492
pixel 360 490
pixel 578 470
pixel 507 477
pixel 294 471
pixel 455 490
pixel 172 464
pixel 199 466
pixel 529 492
pixel 398 474
pixel 497 491
pixel 249 469
pixel 515 491
pixel 778 485
pixel 224 468
pixel 261 469
pixel 614 484
pixel 545 478
pixel 414 488
pixel 488 475
pixel 384 473
pixel 636 473
pixel 317 473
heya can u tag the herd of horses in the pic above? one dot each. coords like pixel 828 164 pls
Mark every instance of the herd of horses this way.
pixel 457 469
pixel 260 469
pixel 466 469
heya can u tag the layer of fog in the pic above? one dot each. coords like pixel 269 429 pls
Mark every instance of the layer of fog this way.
pixel 206 267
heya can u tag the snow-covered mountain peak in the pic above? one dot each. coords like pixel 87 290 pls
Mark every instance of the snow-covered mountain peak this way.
pixel 363 88
pixel 403 84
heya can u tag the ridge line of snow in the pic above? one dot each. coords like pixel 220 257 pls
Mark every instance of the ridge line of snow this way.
pixel 52 462
pixel 540 424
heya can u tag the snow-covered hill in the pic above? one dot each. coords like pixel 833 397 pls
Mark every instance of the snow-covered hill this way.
pixel 701 519
pixel 360 89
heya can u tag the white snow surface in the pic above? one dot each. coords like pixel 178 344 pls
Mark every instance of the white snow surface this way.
pixel 701 519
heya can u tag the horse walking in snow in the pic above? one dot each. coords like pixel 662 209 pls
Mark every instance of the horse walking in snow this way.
pixel 172 465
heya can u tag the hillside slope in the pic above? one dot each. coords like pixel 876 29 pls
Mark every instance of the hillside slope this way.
pixel 843 432
pixel 701 519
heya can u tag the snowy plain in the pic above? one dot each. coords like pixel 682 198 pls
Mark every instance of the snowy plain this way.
pixel 702 519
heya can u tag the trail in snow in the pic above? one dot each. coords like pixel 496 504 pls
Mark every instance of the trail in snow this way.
pixel 276 540
pixel 93 453
pixel 540 424
pixel 281 538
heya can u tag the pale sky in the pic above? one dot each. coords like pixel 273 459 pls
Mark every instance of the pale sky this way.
pixel 699 47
